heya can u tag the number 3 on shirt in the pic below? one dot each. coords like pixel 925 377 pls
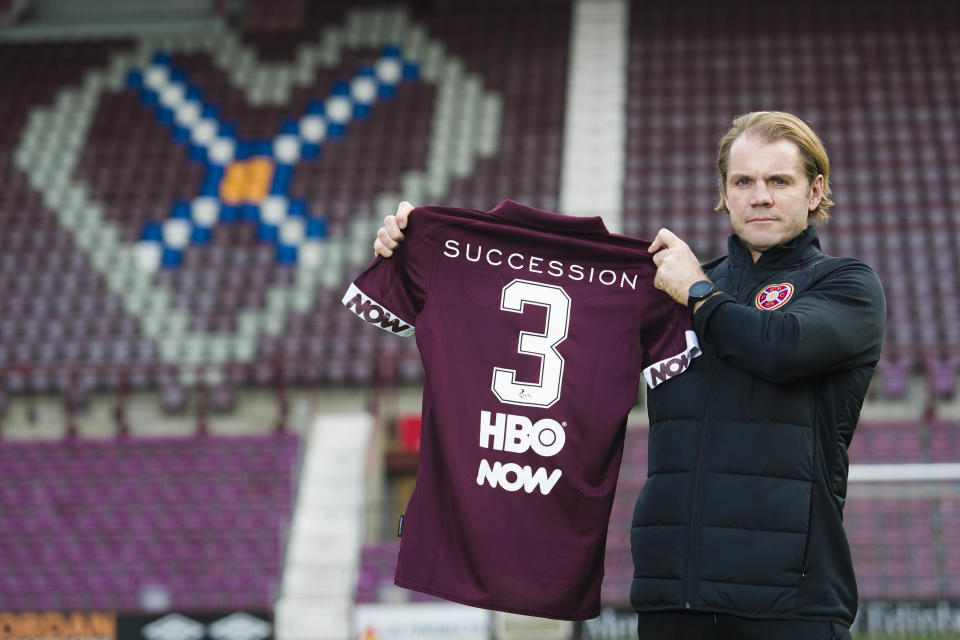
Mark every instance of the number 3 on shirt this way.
pixel 545 391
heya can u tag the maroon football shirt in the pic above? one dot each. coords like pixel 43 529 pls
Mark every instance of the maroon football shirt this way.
pixel 534 329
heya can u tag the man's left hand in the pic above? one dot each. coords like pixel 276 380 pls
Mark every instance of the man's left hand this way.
pixel 677 267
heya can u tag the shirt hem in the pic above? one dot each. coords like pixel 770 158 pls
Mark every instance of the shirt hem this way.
pixel 494 606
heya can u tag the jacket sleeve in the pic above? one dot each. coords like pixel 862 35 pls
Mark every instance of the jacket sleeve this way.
pixel 836 324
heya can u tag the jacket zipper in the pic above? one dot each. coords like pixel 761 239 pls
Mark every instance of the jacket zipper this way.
pixel 697 472
pixel 740 276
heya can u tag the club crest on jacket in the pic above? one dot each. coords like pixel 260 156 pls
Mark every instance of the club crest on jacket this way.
pixel 774 296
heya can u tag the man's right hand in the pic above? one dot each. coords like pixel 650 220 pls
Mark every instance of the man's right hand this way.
pixel 390 235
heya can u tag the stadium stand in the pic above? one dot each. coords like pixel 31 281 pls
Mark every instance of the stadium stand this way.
pixel 82 153
pixel 899 544
pixel 903 442
pixel 90 525
pixel 75 333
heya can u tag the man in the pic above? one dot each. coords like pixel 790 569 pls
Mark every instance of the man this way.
pixel 737 532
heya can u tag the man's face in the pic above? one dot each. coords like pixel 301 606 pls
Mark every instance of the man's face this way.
pixel 768 196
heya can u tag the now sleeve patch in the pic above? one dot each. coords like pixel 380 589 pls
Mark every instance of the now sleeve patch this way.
pixel 375 313
pixel 674 365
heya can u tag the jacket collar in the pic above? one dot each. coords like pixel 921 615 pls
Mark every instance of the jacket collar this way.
pixel 802 248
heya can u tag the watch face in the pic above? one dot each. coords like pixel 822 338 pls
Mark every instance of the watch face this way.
pixel 700 289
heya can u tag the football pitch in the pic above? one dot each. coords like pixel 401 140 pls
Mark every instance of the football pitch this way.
pixel 909 637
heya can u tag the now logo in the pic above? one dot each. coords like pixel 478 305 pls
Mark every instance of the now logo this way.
pixel 375 314
pixel 511 476
pixel 667 369
pixel 673 366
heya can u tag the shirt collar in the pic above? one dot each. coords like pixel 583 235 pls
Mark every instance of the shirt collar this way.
pixel 547 220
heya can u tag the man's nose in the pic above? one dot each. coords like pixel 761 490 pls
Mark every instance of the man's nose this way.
pixel 760 195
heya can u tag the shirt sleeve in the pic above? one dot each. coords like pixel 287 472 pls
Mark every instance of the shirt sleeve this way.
pixel 391 293
pixel 669 342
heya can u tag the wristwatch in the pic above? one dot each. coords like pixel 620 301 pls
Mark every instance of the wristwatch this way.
pixel 698 291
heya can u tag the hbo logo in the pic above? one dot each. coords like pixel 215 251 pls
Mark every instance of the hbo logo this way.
pixel 518 433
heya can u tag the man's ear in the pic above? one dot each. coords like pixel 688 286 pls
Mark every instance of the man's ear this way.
pixel 816 193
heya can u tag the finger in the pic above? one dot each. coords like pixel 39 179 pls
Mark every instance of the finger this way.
pixel 380 250
pixel 665 238
pixel 403 214
pixel 658 243
pixel 659 257
pixel 384 236
pixel 672 240
pixel 386 241
pixel 658 282
pixel 392 228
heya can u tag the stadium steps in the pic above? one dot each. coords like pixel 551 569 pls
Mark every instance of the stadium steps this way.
pixel 323 553
pixel 595 128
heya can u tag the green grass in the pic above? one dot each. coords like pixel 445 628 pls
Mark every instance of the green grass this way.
pixel 863 637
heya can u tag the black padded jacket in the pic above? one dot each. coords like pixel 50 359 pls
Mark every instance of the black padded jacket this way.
pixel 742 509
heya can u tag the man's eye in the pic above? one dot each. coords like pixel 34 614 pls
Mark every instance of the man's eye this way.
pixel 778 181
pixel 742 181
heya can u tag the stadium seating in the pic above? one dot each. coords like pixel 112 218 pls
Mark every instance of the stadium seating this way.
pixel 67 329
pixel 231 311
pixel 909 441
pixel 898 544
pixel 92 525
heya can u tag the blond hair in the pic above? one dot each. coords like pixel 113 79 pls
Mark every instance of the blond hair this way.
pixel 772 126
